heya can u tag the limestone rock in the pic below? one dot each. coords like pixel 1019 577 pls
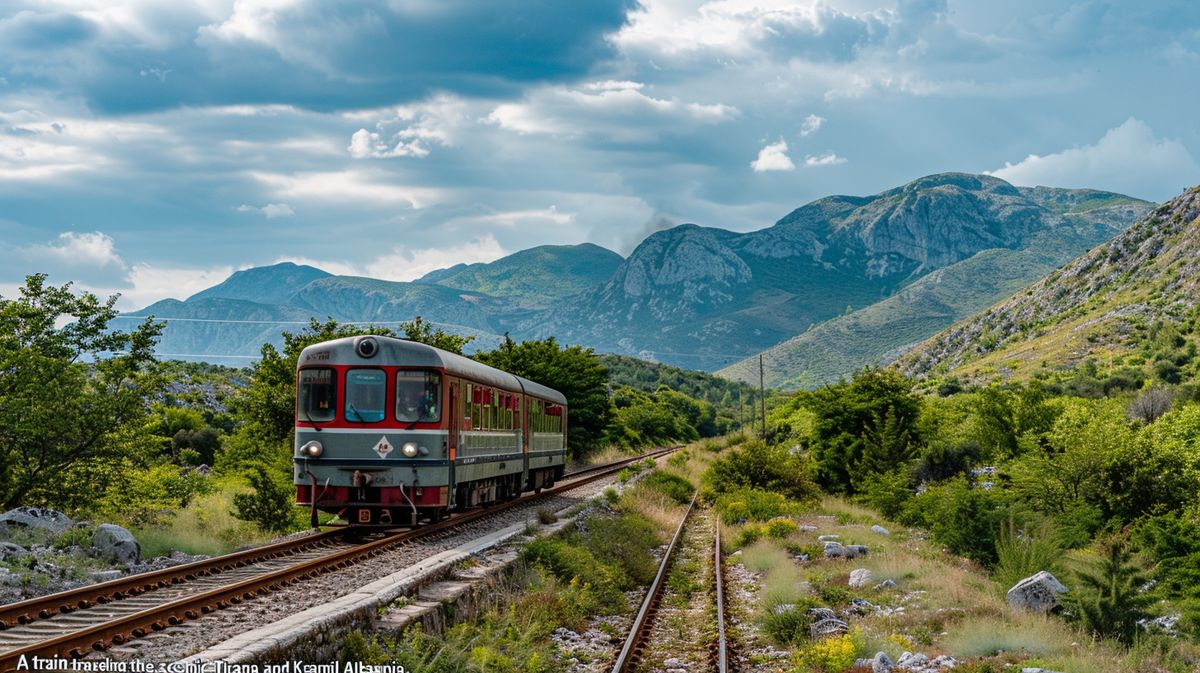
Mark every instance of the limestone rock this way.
pixel 882 663
pixel 115 544
pixel 881 530
pixel 10 550
pixel 836 550
pixel 36 517
pixel 828 627
pixel 1038 593
pixel 829 538
pixel 860 577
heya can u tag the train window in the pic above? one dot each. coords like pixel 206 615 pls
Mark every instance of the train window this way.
pixel 366 395
pixel 318 395
pixel 418 396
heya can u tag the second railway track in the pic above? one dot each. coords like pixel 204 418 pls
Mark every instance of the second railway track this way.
pixel 97 617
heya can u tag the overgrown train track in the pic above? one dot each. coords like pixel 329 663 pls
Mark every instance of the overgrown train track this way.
pixel 638 643
pixel 73 623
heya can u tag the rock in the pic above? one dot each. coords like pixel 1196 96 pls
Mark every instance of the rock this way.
pixel 857 550
pixel 861 606
pixel 836 550
pixel 860 577
pixel 807 528
pixel 886 584
pixel 828 627
pixel 99 576
pixel 1037 670
pixel 675 663
pixel 1168 624
pixel 911 660
pixel 828 538
pixel 40 518
pixel 1038 593
pixel 115 544
pixel 881 530
pixel 881 663
pixel 782 608
pixel 10 550
pixel 820 614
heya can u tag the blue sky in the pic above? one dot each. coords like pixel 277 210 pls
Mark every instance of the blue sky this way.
pixel 152 148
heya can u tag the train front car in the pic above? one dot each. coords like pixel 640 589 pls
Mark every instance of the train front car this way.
pixel 390 431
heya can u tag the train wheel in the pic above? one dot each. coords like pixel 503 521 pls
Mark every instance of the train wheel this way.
pixel 435 515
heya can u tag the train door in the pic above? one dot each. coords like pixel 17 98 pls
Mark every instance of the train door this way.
pixel 452 440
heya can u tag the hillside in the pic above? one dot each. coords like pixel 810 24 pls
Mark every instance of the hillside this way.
pixel 878 333
pixel 1104 304
pixel 540 274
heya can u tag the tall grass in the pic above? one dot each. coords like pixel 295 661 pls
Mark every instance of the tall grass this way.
pixel 206 526
pixel 1026 551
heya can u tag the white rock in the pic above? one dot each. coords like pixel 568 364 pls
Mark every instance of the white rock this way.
pixel 880 529
pixel 116 544
pixel 860 577
pixel 828 538
pixel 882 663
pixel 1038 593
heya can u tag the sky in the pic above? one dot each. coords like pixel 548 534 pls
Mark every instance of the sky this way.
pixel 152 148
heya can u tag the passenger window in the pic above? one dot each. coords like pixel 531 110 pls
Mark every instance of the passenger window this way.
pixel 366 395
pixel 418 396
pixel 318 395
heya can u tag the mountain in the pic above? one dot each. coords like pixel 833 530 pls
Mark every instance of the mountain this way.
pixel 877 334
pixel 1124 296
pixel 702 298
pixel 264 284
pixel 540 274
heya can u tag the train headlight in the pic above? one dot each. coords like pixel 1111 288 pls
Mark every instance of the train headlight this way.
pixel 312 449
pixel 409 450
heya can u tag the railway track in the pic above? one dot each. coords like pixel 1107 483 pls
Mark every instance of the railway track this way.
pixel 94 618
pixel 632 656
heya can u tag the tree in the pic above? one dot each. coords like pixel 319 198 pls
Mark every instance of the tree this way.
pixel 1109 601
pixel 70 396
pixel 574 371
pixel 424 332
pixel 266 407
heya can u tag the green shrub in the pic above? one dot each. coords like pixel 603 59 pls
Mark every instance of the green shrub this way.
pixel 1023 552
pixel 831 655
pixel 752 504
pixel 578 566
pixel 780 528
pixel 268 504
pixel 749 534
pixel 787 626
pixel 671 485
pixel 625 542
pixel 756 466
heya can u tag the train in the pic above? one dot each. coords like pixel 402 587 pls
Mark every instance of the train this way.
pixel 393 432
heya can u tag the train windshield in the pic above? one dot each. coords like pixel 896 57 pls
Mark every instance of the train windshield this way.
pixel 366 395
pixel 418 394
pixel 318 395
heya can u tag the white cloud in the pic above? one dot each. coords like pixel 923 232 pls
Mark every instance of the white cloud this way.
pixel 365 144
pixel 410 130
pixel 812 124
pixel 152 282
pixel 1128 159
pixel 773 157
pixel 347 187
pixel 514 218
pixel 270 211
pixel 618 110
pixel 409 264
pixel 90 258
pixel 826 159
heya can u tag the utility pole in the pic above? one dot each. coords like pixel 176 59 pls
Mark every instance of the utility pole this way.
pixel 762 396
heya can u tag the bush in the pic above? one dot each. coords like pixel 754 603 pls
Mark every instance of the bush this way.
pixel 780 528
pixel 886 493
pixel 832 655
pixel 752 504
pixel 671 485
pixel 625 542
pixel 962 518
pixel 790 626
pixel 268 504
pixel 756 466
pixel 577 566
pixel 1023 552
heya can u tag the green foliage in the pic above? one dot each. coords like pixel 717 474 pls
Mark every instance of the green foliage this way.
pixel 778 529
pixel 727 398
pixel 643 420
pixel 887 492
pixel 962 518
pixel 57 413
pixel 624 542
pixel 831 655
pixel 671 485
pixel 1024 551
pixel 1108 601
pixel 268 504
pixel 757 466
pixel 752 504
pixel 574 371
pixel 149 495
pixel 788 626
pixel 421 331
pixel 862 427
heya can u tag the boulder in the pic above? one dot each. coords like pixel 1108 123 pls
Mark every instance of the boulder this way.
pixel 860 577
pixel 39 518
pixel 9 550
pixel 782 608
pixel 881 663
pixel 881 530
pixel 836 550
pixel 857 550
pixel 886 584
pixel 828 627
pixel 861 606
pixel 115 544
pixel 912 660
pixel 1038 593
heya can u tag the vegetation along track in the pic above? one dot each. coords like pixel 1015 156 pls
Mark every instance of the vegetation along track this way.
pixel 675 629
pixel 74 623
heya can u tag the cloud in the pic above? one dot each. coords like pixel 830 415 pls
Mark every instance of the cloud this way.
pixel 616 110
pixel 773 157
pixel 1128 159
pixel 90 258
pixel 826 159
pixel 269 211
pixel 812 124
pixel 409 264
pixel 513 218
pixel 347 187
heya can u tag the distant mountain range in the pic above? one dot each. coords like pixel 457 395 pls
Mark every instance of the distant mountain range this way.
pixel 1120 299
pixel 836 284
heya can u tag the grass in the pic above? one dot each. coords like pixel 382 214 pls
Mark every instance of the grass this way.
pixel 206 526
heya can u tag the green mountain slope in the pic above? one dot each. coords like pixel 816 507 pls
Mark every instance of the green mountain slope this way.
pixel 265 284
pixel 1109 304
pixel 878 333
pixel 538 274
